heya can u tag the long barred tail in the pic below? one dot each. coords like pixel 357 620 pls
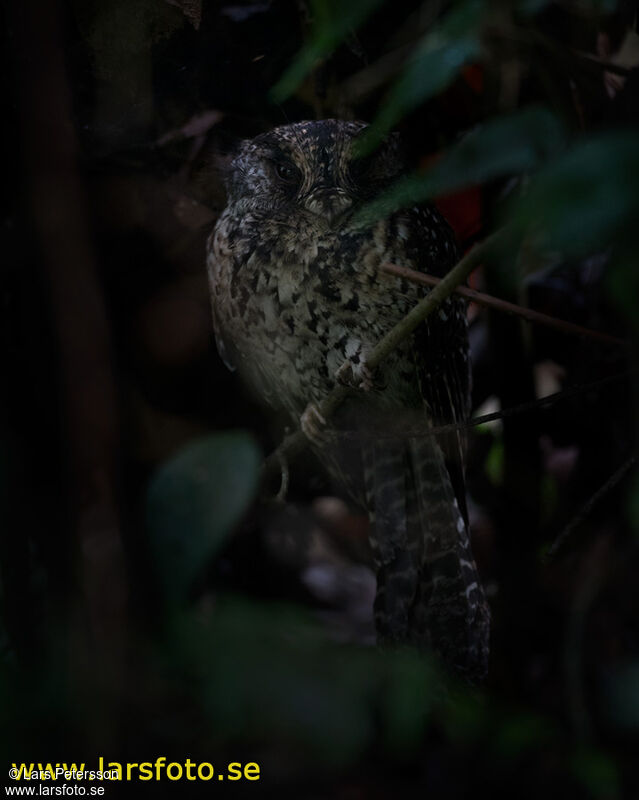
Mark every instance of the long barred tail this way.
pixel 428 590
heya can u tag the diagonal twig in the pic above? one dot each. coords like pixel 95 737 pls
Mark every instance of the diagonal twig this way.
pixel 603 490
pixel 294 442
pixel 540 403
pixel 502 305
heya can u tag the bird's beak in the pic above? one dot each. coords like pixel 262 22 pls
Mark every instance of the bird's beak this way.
pixel 329 203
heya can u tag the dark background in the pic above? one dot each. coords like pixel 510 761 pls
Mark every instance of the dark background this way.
pixel 152 600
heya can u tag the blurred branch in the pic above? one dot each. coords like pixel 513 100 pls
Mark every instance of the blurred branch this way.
pixel 566 55
pixel 600 65
pixel 366 81
pixel 194 128
pixel 540 403
pixel 503 305
pixel 603 490
pixel 405 40
pixel 330 24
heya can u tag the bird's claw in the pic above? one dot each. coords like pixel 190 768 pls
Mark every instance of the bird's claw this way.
pixel 313 425
pixel 356 376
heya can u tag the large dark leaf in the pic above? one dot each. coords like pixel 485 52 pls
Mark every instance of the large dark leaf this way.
pixel 194 501
pixel 623 279
pixel 332 22
pixel 587 200
pixel 434 65
pixel 266 671
pixel 585 7
pixel 505 146
pixel 598 773
pixel 621 689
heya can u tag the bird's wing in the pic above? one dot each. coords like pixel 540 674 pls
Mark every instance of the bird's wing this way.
pixel 441 348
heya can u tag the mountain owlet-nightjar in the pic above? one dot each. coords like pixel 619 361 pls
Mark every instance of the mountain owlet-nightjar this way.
pixel 296 292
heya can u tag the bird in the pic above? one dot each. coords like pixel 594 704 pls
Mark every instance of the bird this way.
pixel 298 304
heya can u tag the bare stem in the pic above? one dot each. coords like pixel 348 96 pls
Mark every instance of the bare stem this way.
pixel 502 305
pixel 603 490
pixel 458 274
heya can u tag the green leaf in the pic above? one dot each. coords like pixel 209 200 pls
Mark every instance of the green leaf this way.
pixel 622 696
pixel 622 281
pixel 332 22
pixel 586 7
pixel 549 491
pixel 505 146
pixel 597 7
pixel 587 200
pixel 531 7
pixel 410 693
pixel 597 772
pixel 494 465
pixel 434 65
pixel 520 733
pixel 265 672
pixel 195 500
pixel 464 715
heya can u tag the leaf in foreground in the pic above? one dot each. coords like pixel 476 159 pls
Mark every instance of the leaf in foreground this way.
pixel 195 500
pixel 504 146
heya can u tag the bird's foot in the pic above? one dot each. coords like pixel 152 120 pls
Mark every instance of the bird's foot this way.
pixel 356 376
pixel 313 425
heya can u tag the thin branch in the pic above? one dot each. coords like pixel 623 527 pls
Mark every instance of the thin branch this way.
pixel 496 416
pixel 572 56
pixel 458 274
pixel 367 80
pixel 587 59
pixel 521 408
pixel 502 305
pixel 603 490
pixel 433 299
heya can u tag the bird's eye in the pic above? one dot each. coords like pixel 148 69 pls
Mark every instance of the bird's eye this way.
pixel 287 172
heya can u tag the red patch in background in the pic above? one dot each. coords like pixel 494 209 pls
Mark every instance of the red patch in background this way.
pixel 462 210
